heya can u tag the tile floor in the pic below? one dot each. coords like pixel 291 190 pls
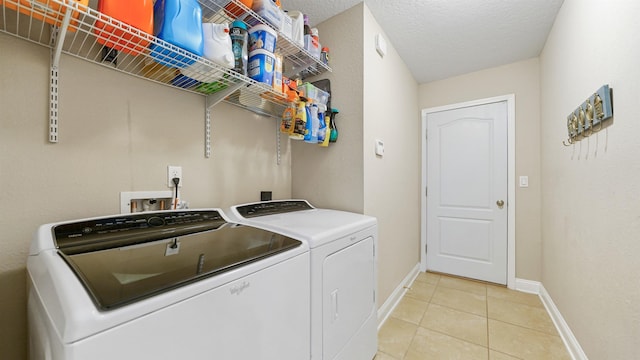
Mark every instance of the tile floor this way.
pixel 443 317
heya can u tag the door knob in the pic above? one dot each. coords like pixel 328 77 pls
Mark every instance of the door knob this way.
pixel 500 204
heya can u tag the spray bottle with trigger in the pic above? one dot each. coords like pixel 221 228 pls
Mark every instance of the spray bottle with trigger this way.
pixel 332 124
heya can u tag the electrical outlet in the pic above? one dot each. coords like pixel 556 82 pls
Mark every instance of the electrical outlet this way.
pixel 174 172
pixel 173 248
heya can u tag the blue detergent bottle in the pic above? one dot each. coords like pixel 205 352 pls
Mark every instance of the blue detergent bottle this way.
pixel 178 22
pixel 312 124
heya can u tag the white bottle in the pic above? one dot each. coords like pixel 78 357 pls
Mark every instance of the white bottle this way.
pixel 217 44
pixel 297 27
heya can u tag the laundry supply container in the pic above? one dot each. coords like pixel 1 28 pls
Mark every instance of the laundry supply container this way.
pixel 262 37
pixel 269 11
pixel 261 66
pixel 136 13
pixel 178 22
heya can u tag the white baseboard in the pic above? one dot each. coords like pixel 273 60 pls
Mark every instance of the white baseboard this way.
pixel 570 341
pixel 528 286
pixel 392 301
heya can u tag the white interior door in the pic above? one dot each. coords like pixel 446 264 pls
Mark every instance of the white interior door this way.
pixel 467 192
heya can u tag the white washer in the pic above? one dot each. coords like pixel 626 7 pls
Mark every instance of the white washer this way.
pixel 343 272
pixel 167 285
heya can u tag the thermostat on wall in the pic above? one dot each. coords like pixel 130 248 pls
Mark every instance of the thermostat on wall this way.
pixel 381 45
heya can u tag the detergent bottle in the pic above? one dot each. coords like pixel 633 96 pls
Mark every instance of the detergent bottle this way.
pixel 322 125
pixel 178 22
pixel 138 14
pixel 299 122
pixel 312 124
pixel 217 44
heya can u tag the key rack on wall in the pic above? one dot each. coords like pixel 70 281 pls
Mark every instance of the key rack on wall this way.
pixel 589 116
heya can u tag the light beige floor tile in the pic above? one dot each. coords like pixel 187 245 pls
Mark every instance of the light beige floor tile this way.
pixel 383 356
pixel 410 309
pixel 525 343
pixel 494 355
pixel 395 336
pixel 459 324
pixel 531 317
pixel 513 295
pixel 428 277
pixel 462 284
pixel 429 344
pixel 421 291
pixel 460 300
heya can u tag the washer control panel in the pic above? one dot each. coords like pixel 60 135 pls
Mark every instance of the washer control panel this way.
pixel 102 233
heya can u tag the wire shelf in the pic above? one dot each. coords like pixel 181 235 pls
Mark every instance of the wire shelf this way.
pixel 75 29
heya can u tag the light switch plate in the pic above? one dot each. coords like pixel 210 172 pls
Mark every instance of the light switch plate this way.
pixel 381 45
pixel 379 147
pixel 524 181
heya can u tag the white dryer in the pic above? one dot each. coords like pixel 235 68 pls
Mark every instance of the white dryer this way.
pixel 168 285
pixel 343 272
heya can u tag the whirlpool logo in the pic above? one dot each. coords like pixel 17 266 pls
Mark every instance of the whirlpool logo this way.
pixel 237 289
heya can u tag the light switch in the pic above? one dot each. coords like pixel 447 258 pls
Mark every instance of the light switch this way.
pixel 524 181
pixel 379 147
pixel 381 45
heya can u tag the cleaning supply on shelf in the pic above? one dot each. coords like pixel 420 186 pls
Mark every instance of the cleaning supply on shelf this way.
pixel 324 55
pixel 47 10
pixel 210 88
pixel 261 66
pixel 138 14
pixel 332 123
pixel 262 37
pixel 239 44
pixel 311 133
pixel 217 49
pixel 235 11
pixel 184 81
pixel 327 135
pixel 178 22
pixel 202 72
pixel 299 122
pixel 157 72
pixel 287 26
pixel 268 10
pixel 312 43
pixel 217 44
pixel 297 27
pixel 322 125
pixel 306 27
pixel 277 74
pixel 287 119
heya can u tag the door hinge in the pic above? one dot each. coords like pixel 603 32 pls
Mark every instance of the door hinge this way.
pixel 426 191
pixel 425 248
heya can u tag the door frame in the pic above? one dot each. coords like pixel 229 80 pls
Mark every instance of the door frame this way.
pixel 511 181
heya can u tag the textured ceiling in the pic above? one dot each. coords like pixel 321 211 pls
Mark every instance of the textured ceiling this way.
pixel 438 39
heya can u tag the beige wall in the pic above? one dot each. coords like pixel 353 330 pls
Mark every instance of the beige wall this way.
pixel 522 79
pixel 391 182
pixel 591 191
pixel 348 175
pixel 117 133
pixel 332 177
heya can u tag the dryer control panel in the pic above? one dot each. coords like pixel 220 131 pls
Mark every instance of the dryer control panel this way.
pixel 272 207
